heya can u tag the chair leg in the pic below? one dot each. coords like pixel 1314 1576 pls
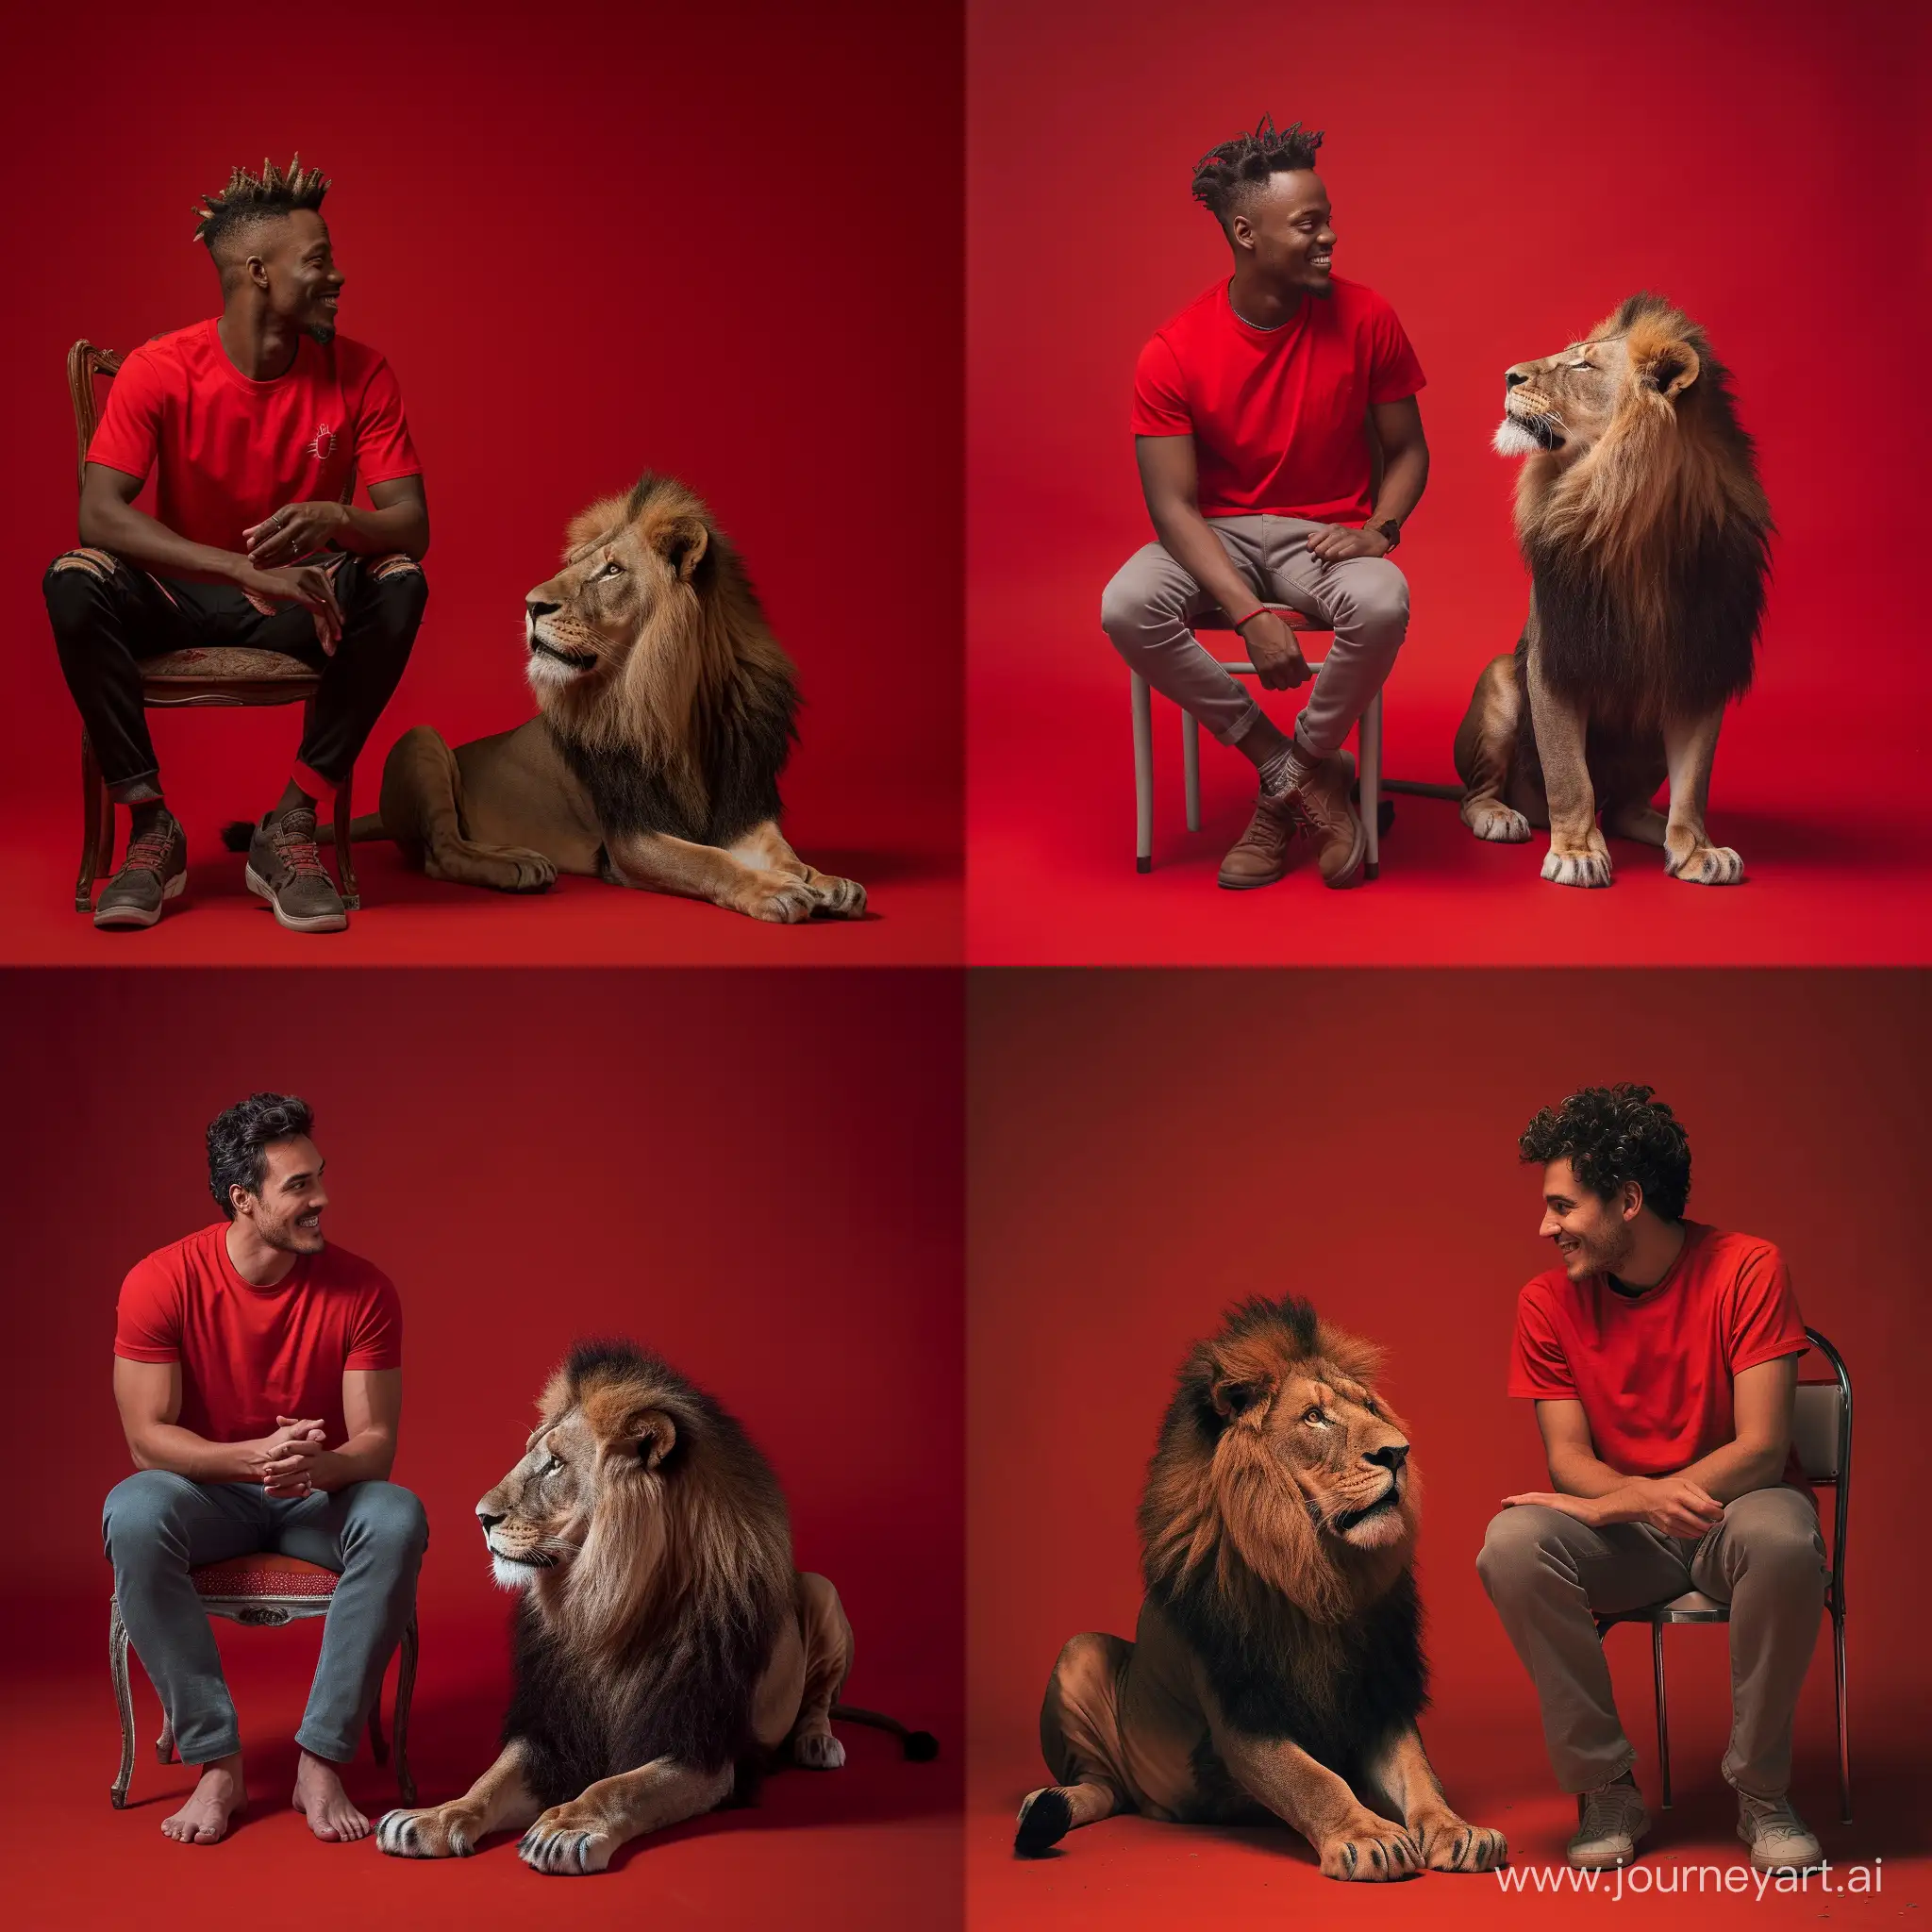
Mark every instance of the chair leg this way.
pixel 406 1687
pixel 1143 772
pixel 1191 767
pixel 1663 1727
pixel 1844 1748
pixel 94 807
pixel 1369 741
pixel 124 1699
pixel 345 864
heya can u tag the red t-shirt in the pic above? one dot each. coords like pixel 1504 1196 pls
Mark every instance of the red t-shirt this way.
pixel 247 1354
pixel 1278 415
pixel 1654 1371
pixel 230 450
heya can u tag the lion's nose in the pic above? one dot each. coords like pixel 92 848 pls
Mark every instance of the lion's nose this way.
pixel 1392 1457
pixel 1514 378
pixel 536 607
pixel 488 1521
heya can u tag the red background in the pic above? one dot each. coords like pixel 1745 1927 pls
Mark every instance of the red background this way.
pixel 1146 1149
pixel 756 1174
pixel 1505 176
pixel 721 242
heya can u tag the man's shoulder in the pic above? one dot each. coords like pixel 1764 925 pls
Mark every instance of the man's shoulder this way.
pixel 1728 1252
pixel 169 356
pixel 1546 1292
pixel 1355 303
pixel 339 1268
pixel 1187 324
pixel 179 1258
pixel 355 362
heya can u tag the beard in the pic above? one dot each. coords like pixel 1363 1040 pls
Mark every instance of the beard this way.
pixel 323 332
pixel 1605 1254
pixel 286 1237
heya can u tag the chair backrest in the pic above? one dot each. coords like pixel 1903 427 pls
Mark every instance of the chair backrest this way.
pixel 1821 1435
pixel 86 366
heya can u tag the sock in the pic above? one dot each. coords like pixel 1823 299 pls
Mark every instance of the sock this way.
pixel 148 815
pixel 1289 768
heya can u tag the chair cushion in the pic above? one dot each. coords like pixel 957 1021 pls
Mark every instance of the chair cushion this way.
pixel 223 660
pixel 263 1575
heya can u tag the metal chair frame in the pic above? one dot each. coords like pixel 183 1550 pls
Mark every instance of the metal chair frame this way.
pixel 1694 1606
pixel 273 1610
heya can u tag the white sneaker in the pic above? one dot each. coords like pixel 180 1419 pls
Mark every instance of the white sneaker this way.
pixel 1780 1840
pixel 1613 1819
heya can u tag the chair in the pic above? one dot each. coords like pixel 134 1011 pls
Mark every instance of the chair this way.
pixel 175 679
pixel 1821 1434
pixel 265 1590
pixel 1369 741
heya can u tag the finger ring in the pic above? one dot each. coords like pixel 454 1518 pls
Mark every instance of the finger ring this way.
pixel 276 520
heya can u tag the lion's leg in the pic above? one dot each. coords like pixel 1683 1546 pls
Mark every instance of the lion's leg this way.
pixel 423 812
pixel 1486 752
pixel 498 1801
pixel 654 861
pixel 1578 855
pixel 583 1834
pixel 827 1663
pixel 1691 750
pixel 1448 1843
pixel 765 848
pixel 1081 1739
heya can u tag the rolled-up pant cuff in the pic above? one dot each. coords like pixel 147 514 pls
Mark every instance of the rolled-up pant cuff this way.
pixel 319 1744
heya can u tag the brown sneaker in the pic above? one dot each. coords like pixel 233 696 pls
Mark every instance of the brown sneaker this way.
pixel 154 871
pixel 1262 854
pixel 285 868
pixel 1322 807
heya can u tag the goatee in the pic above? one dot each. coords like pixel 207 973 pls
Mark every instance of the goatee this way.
pixel 323 332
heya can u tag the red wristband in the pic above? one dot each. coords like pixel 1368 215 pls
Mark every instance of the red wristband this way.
pixel 1259 610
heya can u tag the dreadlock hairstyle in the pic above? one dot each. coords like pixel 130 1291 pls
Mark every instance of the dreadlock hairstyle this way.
pixel 250 198
pixel 1226 176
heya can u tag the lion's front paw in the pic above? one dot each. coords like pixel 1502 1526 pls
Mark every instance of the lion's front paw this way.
pixel 817 1750
pixel 1499 823
pixel 839 898
pixel 1371 1849
pixel 781 900
pixel 1707 865
pixel 1587 865
pixel 442 1831
pixel 1452 1845
pixel 567 1841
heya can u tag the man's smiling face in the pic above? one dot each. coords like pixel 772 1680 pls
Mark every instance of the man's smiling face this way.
pixel 1593 1236
pixel 1291 227
pixel 286 1210
pixel 304 283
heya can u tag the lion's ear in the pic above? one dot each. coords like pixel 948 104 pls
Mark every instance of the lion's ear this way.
pixel 1667 367
pixel 1240 1398
pixel 648 1434
pixel 682 541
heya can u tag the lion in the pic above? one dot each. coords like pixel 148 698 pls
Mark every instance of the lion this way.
pixel 664 1647
pixel 665 716
pixel 1278 1669
pixel 1647 538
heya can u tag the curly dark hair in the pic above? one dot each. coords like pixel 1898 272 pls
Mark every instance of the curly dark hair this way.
pixel 237 1141
pixel 1610 1135
pixel 250 198
pixel 1226 177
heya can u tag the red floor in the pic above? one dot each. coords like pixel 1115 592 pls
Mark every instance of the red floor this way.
pixel 1839 860
pixel 874 1844
pixel 914 915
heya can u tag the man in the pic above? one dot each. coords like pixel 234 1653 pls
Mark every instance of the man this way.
pixel 241 1353
pixel 1253 409
pixel 1662 1357
pixel 256 427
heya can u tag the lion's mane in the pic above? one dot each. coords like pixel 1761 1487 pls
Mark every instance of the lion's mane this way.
pixel 652 1642
pixel 1649 556
pixel 1301 1636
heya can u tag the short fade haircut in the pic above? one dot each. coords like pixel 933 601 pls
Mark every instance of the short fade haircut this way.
pixel 1227 178
pixel 1610 1135
pixel 239 1139
pixel 252 198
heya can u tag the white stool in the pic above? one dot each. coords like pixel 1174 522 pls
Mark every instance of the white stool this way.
pixel 1368 742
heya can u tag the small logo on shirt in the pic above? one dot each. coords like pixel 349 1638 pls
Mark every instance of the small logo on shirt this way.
pixel 321 442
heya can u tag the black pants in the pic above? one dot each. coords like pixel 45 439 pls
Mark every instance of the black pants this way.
pixel 107 620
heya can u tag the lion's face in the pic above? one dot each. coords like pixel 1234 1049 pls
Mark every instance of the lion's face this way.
pixel 1566 404
pixel 1344 1451
pixel 621 569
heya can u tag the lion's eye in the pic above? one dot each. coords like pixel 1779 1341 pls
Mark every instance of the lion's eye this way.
pixel 1314 1415
pixel 551 1467
pixel 612 568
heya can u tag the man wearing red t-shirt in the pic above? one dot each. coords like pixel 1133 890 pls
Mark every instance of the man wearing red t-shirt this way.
pixel 1253 413
pixel 259 1375
pixel 1662 1357
pixel 256 427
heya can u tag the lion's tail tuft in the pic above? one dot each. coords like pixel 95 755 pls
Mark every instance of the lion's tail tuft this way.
pixel 1044 1819
pixel 920 1746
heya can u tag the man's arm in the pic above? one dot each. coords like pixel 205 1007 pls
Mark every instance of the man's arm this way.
pixel 1397 427
pixel 1762 1402
pixel 148 1394
pixel 1170 482
pixel 372 1410
pixel 398 520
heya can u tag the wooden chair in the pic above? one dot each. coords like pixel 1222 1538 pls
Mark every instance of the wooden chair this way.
pixel 219 675
pixel 1821 1435
pixel 266 1590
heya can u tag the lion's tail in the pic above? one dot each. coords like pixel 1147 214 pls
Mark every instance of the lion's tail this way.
pixel 363 827
pixel 918 1745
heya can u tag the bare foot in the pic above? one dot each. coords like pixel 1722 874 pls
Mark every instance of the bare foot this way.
pixel 319 1797
pixel 217 1797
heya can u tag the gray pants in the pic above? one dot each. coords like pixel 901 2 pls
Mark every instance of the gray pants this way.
pixel 1150 609
pixel 1547 1573
pixel 158 1527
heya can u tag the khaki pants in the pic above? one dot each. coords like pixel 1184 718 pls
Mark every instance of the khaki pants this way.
pixel 1150 609
pixel 1547 1574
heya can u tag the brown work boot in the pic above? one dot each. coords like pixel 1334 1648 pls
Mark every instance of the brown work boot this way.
pixel 1264 852
pixel 285 868
pixel 1322 808
pixel 154 871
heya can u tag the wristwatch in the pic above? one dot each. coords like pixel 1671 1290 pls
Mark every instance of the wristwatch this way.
pixel 1390 530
